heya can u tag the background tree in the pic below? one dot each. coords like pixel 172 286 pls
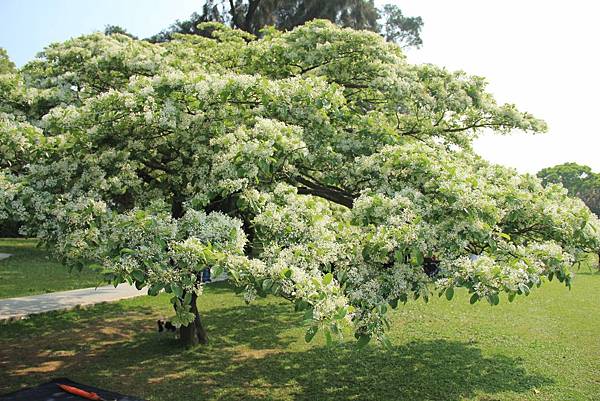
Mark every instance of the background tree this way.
pixel 314 164
pixel 252 15
pixel 578 179
pixel 112 29
pixel 8 228
pixel 6 65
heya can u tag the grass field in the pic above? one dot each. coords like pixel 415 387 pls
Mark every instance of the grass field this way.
pixel 30 271
pixel 543 347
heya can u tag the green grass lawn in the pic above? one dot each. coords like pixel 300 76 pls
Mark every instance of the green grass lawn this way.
pixel 542 347
pixel 30 271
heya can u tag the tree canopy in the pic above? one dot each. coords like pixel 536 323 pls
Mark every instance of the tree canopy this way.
pixel 253 15
pixel 578 179
pixel 316 164
pixel 6 66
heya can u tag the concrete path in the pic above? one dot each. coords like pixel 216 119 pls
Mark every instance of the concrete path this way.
pixel 5 255
pixel 17 308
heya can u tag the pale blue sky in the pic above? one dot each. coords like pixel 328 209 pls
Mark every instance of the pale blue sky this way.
pixel 540 54
pixel 29 25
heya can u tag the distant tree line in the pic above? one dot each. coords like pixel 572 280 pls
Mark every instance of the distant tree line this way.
pixel 253 15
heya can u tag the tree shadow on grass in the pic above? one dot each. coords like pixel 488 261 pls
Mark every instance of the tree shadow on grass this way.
pixel 253 326
pixel 252 356
pixel 421 370
pixel 110 340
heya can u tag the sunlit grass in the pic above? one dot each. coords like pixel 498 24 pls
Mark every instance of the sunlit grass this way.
pixel 31 271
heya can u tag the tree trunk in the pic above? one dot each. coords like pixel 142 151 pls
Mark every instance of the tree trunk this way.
pixel 194 333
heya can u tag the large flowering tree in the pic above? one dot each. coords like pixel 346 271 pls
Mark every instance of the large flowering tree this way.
pixel 317 165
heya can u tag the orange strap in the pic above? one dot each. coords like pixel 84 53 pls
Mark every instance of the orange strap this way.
pixel 80 392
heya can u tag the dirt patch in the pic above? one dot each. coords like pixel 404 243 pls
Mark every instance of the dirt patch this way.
pixel 60 348
pixel 167 377
pixel 246 354
pixel 44 367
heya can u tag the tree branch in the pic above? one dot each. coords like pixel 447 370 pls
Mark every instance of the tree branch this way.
pixel 331 194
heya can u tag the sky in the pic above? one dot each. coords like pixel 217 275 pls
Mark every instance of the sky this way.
pixel 541 55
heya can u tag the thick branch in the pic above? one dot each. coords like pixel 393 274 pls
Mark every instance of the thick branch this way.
pixel 331 194
pixel 474 126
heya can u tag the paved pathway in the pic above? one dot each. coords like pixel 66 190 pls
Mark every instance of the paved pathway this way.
pixel 4 255
pixel 16 308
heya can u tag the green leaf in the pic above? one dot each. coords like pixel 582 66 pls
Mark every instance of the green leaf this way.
pixel 524 289
pixel 188 298
pixel 474 298
pixel 340 314
pixel 310 333
pixel 266 284
pixel 363 340
pixel 263 166
pixel 450 293
pixel 138 275
pixel 235 275
pixel 416 257
pixel 177 290
pixel 493 299
pixel 127 251
pixel 216 271
pixel 301 305
pixel 154 290
pixel 511 296
pixel 327 278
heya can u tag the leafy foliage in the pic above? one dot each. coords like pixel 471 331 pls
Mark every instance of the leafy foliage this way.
pixel 112 29
pixel 6 66
pixel 316 164
pixel 579 180
pixel 30 271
